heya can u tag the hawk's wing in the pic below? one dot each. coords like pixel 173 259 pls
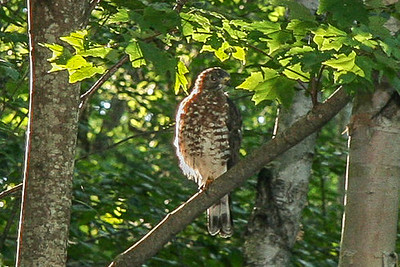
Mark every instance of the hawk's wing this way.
pixel 234 124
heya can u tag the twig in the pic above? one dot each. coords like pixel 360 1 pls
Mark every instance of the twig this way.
pixel 99 82
pixel 179 5
pixel 88 11
pixel 11 191
pixel 10 221
pixel 124 59
pixel 177 220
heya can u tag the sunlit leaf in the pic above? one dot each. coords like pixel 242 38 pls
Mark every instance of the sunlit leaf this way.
pixel 135 54
pixel 84 73
pixel 266 27
pixel 276 88
pixel 329 38
pixel 239 54
pixel 180 79
pixel 76 39
pixel 121 16
pixel 163 63
pixel 76 62
pixel 252 81
pixel 345 62
pixel 220 53
pixel 100 52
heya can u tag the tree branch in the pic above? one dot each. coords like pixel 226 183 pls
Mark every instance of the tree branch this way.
pixel 99 82
pixel 11 191
pixel 177 220
pixel 179 5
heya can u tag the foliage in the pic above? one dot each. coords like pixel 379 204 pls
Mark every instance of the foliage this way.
pixel 123 189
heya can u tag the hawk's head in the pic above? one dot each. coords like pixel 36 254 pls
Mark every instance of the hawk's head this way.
pixel 212 79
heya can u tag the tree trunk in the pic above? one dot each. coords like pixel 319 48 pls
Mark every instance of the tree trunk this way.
pixel 372 184
pixel 281 197
pixel 51 137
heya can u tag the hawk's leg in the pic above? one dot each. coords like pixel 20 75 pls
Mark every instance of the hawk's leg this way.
pixel 206 184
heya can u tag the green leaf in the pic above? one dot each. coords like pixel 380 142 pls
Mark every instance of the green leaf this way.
pixel 84 73
pixel 296 10
pixel 76 62
pixel 276 88
pixel 135 54
pixel 180 79
pixel 76 39
pixel 312 61
pixel 121 16
pixel 220 53
pixel 377 26
pixel 162 20
pixel 367 65
pixel 295 72
pixel 278 41
pixel 56 49
pixel 197 20
pixel 234 33
pixel 252 81
pixel 299 28
pixel 329 38
pixel 345 12
pixel 9 70
pixel 266 27
pixel 195 26
pixel 163 62
pixel 100 52
pixel 345 62
pixel 239 54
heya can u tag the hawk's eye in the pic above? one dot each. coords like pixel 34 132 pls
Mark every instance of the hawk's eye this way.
pixel 213 78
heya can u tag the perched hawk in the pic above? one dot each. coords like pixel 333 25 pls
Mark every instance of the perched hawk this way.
pixel 207 140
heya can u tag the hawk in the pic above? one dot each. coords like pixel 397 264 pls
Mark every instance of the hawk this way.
pixel 207 140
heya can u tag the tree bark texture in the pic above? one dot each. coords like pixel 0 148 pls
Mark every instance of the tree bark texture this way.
pixel 177 220
pixel 51 138
pixel 372 184
pixel 281 196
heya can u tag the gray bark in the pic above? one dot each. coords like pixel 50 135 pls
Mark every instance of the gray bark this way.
pixel 282 194
pixel 372 182
pixel 51 137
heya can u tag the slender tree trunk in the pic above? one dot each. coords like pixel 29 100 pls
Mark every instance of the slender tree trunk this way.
pixel 51 137
pixel 372 184
pixel 282 194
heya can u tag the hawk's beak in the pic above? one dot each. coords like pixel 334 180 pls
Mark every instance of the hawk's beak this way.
pixel 226 79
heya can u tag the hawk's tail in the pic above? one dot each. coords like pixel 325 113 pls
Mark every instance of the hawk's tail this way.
pixel 219 218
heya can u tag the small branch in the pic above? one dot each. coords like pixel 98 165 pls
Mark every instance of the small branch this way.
pixel 314 91
pixel 88 11
pixel 179 5
pixel 124 59
pixel 84 97
pixel 177 220
pixel 11 191
pixel 10 221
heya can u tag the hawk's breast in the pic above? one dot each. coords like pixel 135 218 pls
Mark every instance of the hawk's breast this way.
pixel 202 135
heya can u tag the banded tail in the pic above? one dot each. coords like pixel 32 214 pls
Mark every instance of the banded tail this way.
pixel 219 218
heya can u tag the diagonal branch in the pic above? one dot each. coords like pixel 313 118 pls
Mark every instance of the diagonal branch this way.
pixel 177 220
pixel 11 191
pixel 99 82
